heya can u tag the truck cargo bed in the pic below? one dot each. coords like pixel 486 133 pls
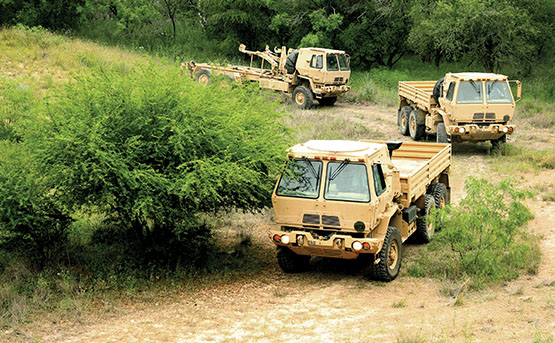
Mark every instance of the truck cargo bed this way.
pixel 419 164
pixel 419 92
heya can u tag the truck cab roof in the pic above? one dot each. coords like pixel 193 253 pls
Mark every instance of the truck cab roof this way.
pixel 326 51
pixel 478 76
pixel 338 148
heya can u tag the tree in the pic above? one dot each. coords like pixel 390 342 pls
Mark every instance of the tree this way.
pixel 378 33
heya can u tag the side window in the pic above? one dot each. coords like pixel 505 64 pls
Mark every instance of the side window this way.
pixel 379 180
pixel 316 61
pixel 450 91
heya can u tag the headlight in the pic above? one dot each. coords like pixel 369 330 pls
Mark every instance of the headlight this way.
pixel 285 239
pixel 461 129
pixel 357 245
pixel 505 129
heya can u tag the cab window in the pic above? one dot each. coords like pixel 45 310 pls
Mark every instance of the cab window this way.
pixel 316 61
pixel 347 182
pixel 450 91
pixel 470 92
pixel 379 179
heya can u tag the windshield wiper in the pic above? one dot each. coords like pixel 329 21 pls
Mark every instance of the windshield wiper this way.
pixel 491 86
pixel 339 169
pixel 314 173
pixel 476 88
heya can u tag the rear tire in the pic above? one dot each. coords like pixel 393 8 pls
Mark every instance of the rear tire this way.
pixel 291 262
pixel 203 77
pixel 416 130
pixel 439 192
pixel 403 120
pixel 389 257
pixel 302 97
pixel 442 136
pixel 327 101
pixel 425 225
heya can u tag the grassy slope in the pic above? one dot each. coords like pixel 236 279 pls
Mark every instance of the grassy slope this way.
pixel 45 61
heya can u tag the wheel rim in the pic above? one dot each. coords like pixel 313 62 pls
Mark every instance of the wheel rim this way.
pixel 300 98
pixel 412 124
pixel 203 79
pixel 442 202
pixel 403 120
pixel 393 255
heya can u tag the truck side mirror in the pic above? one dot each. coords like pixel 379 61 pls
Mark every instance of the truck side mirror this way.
pixel 518 89
pixel 391 146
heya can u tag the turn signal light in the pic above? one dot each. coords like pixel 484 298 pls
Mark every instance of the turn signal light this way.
pixel 276 238
pixel 366 246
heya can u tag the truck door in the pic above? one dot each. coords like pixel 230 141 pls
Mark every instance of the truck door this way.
pixel 316 66
pixel 381 192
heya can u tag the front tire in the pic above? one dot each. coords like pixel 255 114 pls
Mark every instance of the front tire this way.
pixel 302 97
pixel 442 136
pixel 496 143
pixel 330 101
pixel 389 257
pixel 291 262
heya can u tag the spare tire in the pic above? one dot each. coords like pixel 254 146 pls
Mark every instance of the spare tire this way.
pixel 291 62
pixel 438 90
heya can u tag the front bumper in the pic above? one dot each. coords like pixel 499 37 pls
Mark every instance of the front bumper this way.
pixel 474 132
pixel 337 245
pixel 332 90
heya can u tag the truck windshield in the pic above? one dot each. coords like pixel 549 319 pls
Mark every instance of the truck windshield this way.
pixel 498 92
pixel 337 62
pixel 331 61
pixel 343 62
pixel 347 182
pixel 470 92
pixel 301 178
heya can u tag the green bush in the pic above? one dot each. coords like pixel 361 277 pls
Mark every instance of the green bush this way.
pixel 482 237
pixel 149 150
pixel 33 223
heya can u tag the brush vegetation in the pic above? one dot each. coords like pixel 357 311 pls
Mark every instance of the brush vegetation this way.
pixel 482 238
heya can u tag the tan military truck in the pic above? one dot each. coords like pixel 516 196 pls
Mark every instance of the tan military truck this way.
pixel 459 107
pixel 358 200
pixel 307 74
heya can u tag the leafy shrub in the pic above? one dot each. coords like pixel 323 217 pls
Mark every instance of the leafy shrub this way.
pixel 149 150
pixel 482 236
pixel 33 222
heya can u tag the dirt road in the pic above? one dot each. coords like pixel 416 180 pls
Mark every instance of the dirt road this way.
pixel 330 304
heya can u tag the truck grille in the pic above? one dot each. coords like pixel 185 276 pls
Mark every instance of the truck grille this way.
pixel 338 80
pixel 311 219
pixel 480 116
pixel 330 220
